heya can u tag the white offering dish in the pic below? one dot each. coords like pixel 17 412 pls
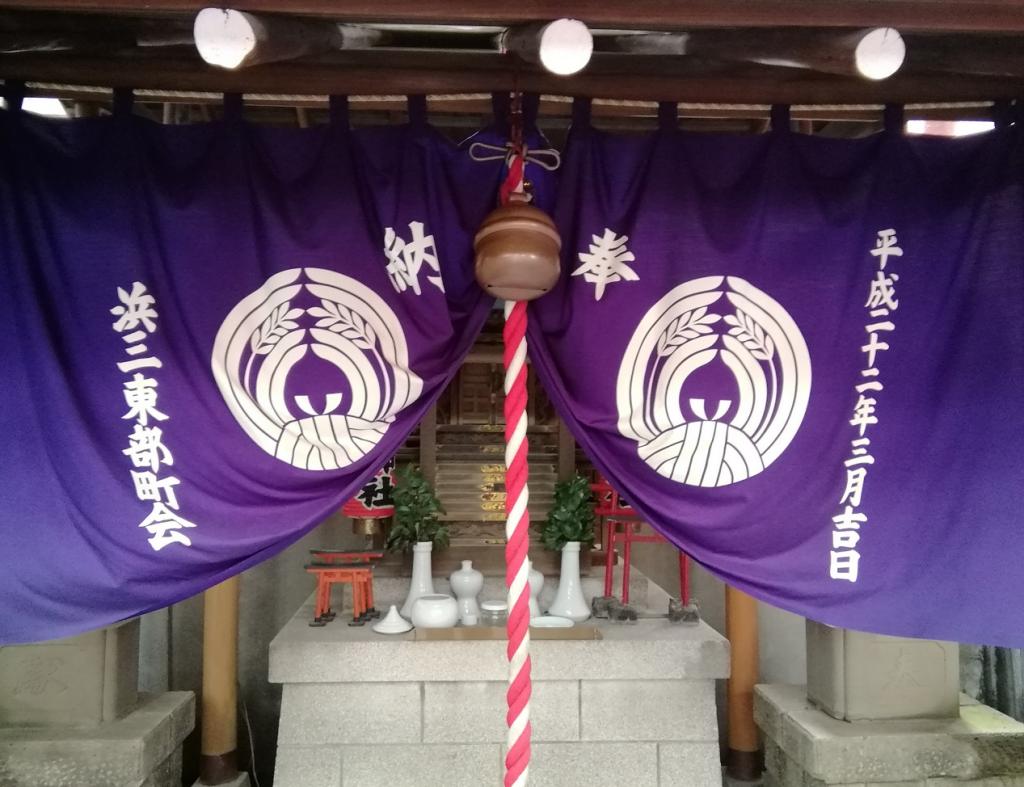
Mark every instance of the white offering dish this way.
pixel 435 611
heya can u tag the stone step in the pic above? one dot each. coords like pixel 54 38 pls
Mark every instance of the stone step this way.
pixel 489 512
pixel 475 491
pixel 490 471
pixel 478 499
pixel 486 474
pixel 489 482
pixel 484 453
pixel 469 498
pixel 491 466
pixel 497 438
pixel 490 445
pixel 448 430
pixel 453 505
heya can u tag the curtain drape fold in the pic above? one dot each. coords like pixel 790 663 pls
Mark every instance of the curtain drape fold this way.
pixel 801 359
pixel 210 337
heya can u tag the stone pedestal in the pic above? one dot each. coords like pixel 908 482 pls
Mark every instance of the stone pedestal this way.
pixel 71 715
pixel 854 676
pixel 361 709
pixel 76 681
pixel 142 749
pixel 805 747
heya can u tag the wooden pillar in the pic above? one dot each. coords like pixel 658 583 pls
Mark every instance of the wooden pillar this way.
pixel 428 445
pixel 218 760
pixel 566 452
pixel 744 759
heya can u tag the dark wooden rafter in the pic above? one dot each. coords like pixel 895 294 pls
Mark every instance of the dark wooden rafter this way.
pixel 380 72
pixel 149 45
pixel 22 32
pixel 527 41
pixel 233 38
pixel 823 51
pixel 272 38
pixel 280 38
pixel 827 51
pixel 965 54
pixel 995 16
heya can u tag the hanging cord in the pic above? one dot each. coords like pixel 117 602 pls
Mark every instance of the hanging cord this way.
pixel 545 158
pixel 516 154
pixel 517 493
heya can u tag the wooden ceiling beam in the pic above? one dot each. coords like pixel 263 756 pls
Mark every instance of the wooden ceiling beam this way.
pixel 486 73
pixel 994 16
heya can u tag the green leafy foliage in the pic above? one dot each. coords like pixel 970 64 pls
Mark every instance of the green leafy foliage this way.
pixel 416 510
pixel 572 515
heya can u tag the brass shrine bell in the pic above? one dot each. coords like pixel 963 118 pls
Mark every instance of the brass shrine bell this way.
pixel 517 251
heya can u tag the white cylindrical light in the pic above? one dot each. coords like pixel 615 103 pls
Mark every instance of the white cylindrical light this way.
pixel 224 37
pixel 565 46
pixel 880 53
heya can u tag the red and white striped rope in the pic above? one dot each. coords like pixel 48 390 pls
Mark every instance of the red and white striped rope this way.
pixel 517 524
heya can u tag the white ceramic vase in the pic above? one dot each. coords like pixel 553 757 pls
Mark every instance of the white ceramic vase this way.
pixel 536 585
pixel 569 601
pixel 422 580
pixel 466 584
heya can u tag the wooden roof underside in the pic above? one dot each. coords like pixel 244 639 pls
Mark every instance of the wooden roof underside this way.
pixel 946 42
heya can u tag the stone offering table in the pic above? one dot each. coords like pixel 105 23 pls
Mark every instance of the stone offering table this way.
pixel 362 709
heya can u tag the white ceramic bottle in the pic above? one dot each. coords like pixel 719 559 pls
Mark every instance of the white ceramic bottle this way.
pixel 570 602
pixel 422 580
pixel 467 583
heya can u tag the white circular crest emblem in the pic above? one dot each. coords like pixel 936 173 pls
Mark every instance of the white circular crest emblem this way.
pixel 713 390
pixel 314 366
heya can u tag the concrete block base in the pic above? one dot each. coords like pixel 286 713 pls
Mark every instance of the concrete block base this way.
pixel 805 747
pixel 636 707
pixel 142 748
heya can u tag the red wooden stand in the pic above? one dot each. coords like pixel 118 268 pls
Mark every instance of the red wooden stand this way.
pixel 622 525
pixel 353 568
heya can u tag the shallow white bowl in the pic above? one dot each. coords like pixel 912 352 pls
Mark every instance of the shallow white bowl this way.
pixel 435 611
pixel 550 622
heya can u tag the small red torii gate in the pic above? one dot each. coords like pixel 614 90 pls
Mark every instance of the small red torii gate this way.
pixel 621 524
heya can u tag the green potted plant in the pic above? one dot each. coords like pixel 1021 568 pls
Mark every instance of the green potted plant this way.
pixel 569 526
pixel 416 527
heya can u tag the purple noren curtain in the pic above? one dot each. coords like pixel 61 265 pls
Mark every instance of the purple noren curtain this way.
pixel 210 336
pixel 802 360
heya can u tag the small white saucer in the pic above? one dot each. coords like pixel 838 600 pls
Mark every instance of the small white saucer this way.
pixel 392 623
pixel 550 622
